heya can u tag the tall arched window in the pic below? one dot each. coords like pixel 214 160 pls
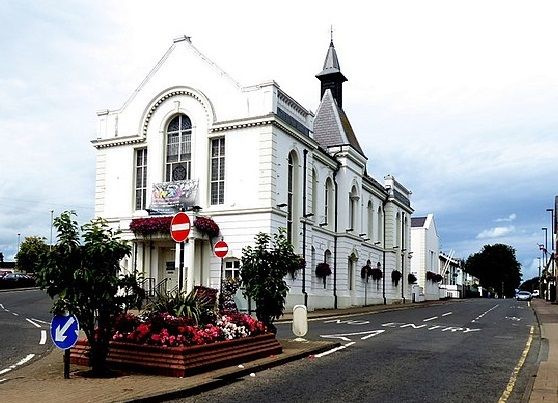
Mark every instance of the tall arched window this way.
pixel 380 226
pixel 179 149
pixel 293 197
pixel 328 202
pixel 398 240
pixel 314 193
pixel 370 219
pixel 353 206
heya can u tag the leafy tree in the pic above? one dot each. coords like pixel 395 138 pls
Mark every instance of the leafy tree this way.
pixel 1 257
pixel 530 285
pixel 263 272
pixel 496 267
pixel 30 251
pixel 84 278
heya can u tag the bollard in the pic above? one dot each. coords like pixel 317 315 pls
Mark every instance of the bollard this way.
pixel 300 321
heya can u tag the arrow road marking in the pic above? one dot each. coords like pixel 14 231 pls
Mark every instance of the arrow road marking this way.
pixel 333 350
pixel 33 323
pixel 59 333
pixel 369 333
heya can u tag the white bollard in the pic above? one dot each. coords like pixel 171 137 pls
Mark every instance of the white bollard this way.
pixel 300 321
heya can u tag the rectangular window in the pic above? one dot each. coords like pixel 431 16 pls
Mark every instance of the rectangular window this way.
pixel 141 178
pixel 232 268
pixel 217 171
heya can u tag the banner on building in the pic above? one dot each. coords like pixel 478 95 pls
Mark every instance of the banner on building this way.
pixel 170 197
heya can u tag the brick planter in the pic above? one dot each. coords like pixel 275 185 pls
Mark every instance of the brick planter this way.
pixel 181 361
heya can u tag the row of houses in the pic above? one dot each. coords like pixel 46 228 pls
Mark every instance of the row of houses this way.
pixel 247 159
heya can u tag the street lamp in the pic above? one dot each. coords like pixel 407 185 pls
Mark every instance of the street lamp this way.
pixel 545 244
pixel 51 224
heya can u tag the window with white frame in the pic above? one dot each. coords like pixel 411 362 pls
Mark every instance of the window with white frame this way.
pixel 314 193
pixel 141 178
pixel 370 219
pixel 290 180
pixel 218 171
pixel 178 149
pixel 328 202
pixel 380 225
pixel 232 268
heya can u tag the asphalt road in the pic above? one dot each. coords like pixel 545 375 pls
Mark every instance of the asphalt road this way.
pixel 24 328
pixel 454 352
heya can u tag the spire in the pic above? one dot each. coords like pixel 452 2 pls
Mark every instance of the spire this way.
pixel 331 76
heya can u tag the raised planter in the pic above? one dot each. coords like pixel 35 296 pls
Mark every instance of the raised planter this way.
pixel 181 361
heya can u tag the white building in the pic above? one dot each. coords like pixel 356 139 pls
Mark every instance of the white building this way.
pixel 425 247
pixel 253 159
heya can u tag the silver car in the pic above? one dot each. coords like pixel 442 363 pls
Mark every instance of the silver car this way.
pixel 523 296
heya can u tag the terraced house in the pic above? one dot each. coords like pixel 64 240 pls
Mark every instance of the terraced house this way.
pixel 247 159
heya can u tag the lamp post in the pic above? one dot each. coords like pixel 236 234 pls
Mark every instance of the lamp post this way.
pixel 545 245
pixel 51 224
pixel 540 279
pixel 18 243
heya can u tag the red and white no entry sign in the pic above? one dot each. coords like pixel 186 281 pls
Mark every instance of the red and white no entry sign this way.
pixel 180 227
pixel 221 249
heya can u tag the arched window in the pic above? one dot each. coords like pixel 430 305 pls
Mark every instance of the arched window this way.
pixel 179 149
pixel 353 206
pixel 314 193
pixel 398 240
pixel 380 224
pixel 328 202
pixel 370 219
pixel 293 197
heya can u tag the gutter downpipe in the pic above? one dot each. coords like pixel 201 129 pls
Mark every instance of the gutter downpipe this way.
pixel 384 249
pixel 335 171
pixel 402 256
pixel 305 154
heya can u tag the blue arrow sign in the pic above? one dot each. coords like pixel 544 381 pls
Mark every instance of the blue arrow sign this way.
pixel 64 330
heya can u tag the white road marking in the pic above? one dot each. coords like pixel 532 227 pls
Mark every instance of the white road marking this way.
pixel 343 336
pixel 15 314
pixel 429 319
pixel 40 321
pixel 333 350
pixel 3 380
pixel 33 323
pixel 2 306
pixel 377 332
pixel 482 314
pixel 447 313
pixel 452 329
pixel 43 337
pixel 348 322
pixel 21 362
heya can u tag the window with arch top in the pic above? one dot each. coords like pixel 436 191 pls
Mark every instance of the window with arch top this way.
pixel 178 164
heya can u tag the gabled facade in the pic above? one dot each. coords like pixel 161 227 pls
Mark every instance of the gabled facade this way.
pixel 425 247
pixel 254 160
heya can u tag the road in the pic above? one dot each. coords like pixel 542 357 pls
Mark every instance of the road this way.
pixel 24 328
pixel 453 352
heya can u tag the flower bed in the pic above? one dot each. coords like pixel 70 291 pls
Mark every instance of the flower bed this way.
pixel 175 346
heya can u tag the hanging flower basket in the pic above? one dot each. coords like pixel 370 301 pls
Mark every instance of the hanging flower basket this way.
pixel 376 274
pixel 395 277
pixel 299 264
pixel 323 270
pixel 434 277
pixel 207 226
pixel 411 278
pixel 151 225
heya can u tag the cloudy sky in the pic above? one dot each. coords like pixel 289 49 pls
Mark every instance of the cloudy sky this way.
pixel 456 99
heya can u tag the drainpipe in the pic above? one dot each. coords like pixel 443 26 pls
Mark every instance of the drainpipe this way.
pixel 384 202
pixel 335 171
pixel 305 156
pixel 402 255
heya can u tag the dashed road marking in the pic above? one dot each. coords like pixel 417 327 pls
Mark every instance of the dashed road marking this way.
pixel 33 323
pixel 484 313
pixel 15 314
pixel 447 313
pixel 429 319
pixel 43 337
pixel 40 321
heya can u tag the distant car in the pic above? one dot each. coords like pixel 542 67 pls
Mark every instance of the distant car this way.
pixel 523 296
pixel 536 294
pixel 16 280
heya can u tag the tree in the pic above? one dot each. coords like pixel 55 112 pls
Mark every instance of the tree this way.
pixel 84 278
pixel 496 267
pixel 29 253
pixel 263 272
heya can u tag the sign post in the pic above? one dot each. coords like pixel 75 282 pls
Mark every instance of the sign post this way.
pixel 221 249
pixel 64 331
pixel 179 230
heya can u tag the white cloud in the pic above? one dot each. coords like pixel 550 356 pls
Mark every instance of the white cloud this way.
pixel 496 232
pixel 509 218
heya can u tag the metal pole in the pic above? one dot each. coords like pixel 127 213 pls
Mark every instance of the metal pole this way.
pixel 51 224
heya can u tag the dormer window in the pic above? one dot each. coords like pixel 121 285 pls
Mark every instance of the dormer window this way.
pixel 179 149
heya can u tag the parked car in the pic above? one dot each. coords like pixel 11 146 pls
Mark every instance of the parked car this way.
pixel 16 280
pixel 523 296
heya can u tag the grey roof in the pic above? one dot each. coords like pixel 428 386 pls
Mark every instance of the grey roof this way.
pixel 417 222
pixel 331 63
pixel 332 126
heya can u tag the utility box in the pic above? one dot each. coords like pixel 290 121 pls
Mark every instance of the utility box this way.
pixel 300 320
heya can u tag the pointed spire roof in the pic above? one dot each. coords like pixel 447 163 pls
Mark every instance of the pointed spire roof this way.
pixel 331 63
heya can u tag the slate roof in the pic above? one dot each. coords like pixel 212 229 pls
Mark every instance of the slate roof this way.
pixel 332 126
pixel 417 222
pixel 331 63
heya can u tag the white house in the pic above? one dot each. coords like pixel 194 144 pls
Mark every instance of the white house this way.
pixel 425 247
pixel 253 160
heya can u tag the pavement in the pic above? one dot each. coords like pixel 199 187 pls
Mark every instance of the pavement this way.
pixel 43 380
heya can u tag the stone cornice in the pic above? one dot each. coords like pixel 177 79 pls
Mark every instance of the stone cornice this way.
pixel 117 141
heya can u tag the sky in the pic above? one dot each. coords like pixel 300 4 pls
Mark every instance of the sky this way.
pixel 456 99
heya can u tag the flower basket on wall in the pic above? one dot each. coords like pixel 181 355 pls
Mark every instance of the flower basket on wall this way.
pixel 151 225
pixel 296 266
pixel 395 277
pixel 434 277
pixel 207 226
pixel 411 278
pixel 366 271
pixel 376 274
pixel 323 271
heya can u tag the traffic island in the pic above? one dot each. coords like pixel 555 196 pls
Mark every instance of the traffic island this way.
pixel 181 361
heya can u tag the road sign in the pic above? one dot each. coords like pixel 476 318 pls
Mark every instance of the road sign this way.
pixel 221 249
pixel 180 227
pixel 64 330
